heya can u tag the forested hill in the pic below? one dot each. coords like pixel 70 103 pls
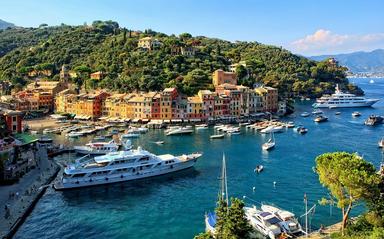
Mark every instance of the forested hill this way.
pixel 5 25
pixel 104 46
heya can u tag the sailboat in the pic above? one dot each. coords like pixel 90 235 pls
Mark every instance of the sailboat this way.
pixel 210 217
pixel 270 143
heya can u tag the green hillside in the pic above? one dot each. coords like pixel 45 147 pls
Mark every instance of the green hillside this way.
pixel 107 47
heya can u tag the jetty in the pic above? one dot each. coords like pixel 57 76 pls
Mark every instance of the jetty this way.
pixel 325 233
pixel 19 199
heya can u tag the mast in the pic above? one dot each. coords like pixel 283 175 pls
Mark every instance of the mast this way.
pixel 306 214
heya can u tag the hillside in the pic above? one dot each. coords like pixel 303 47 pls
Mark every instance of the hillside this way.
pixel 5 25
pixel 359 61
pixel 104 46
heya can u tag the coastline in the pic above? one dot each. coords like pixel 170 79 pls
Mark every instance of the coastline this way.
pixel 30 189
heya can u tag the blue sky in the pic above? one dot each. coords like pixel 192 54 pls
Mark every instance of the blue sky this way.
pixel 307 27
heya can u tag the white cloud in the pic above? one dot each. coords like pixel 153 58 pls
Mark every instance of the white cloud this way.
pixel 326 42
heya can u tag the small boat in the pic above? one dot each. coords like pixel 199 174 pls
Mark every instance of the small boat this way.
pixel 270 144
pixel 179 131
pixel 99 138
pixel 74 134
pixel 244 124
pixel 272 129
pixel 290 125
pixel 259 169
pixel 129 136
pixel 374 120
pixel 356 114
pixel 159 142
pixel 142 130
pixel 320 119
pixel 338 113
pixel 317 112
pixel 217 136
pixel 371 81
pixel 301 130
pixel 381 143
pixel 201 126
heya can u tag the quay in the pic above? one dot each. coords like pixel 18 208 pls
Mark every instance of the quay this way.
pixel 325 233
pixel 18 200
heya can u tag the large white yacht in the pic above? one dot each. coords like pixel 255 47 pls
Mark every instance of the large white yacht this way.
pixel 342 100
pixel 121 166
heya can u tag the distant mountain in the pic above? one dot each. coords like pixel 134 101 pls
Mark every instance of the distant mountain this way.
pixel 5 25
pixel 360 61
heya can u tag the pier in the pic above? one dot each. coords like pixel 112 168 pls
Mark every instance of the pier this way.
pixel 18 200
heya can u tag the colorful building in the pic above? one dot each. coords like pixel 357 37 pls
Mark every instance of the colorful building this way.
pixel 194 108
pixel 13 120
pixel 269 98
pixel 220 77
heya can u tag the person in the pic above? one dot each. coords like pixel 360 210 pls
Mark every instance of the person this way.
pixel 321 229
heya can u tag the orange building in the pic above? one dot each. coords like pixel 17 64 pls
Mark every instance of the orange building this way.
pixel 220 77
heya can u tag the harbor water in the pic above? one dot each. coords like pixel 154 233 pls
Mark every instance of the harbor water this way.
pixel 173 206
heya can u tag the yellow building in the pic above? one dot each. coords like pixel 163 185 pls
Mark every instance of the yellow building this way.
pixel 112 106
pixel 269 98
pixel 194 108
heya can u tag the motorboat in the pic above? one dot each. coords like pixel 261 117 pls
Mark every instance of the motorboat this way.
pixel 301 130
pixel 264 222
pixel 270 144
pixel 305 114
pixel 337 113
pixel 217 136
pixel 121 166
pixel 259 169
pixel 74 134
pixel 320 118
pixel 142 130
pixel 244 124
pixel 290 125
pixel 374 120
pixel 100 148
pixel 381 143
pixel 201 126
pixel 129 136
pixel 317 112
pixel 289 224
pixel 159 142
pixel 356 114
pixel 272 129
pixel 179 131
pixel 341 100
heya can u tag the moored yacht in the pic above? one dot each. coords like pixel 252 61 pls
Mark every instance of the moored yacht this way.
pixel 99 148
pixel 340 100
pixel 121 166
pixel 264 222
pixel 179 131
pixel 289 224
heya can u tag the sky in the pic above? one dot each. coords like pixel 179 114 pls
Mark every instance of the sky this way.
pixel 306 27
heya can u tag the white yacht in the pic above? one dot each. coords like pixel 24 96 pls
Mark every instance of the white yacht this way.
pixel 289 223
pixel 264 222
pixel 100 148
pixel 272 129
pixel 121 166
pixel 201 126
pixel 341 100
pixel 179 131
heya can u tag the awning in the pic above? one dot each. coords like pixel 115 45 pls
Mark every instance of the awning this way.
pixel 156 121
pixel 56 116
pixel 195 120
pixel 177 120
pixel 25 139
pixel 167 121
pixel 135 120
pixel 145 120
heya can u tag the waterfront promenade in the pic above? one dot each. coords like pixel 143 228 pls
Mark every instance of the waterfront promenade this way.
pixel 17 198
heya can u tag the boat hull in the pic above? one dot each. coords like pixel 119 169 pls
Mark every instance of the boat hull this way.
pixel 121 177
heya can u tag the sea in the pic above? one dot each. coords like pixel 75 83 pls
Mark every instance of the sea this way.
pixel 173 206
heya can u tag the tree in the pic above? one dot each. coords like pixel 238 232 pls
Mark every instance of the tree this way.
pixel 231 221
pixel 349 179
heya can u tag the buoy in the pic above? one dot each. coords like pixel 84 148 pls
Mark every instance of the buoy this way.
pixel 274 183
pixel 254 188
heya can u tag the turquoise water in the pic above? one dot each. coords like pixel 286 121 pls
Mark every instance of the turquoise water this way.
pixel 173 206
